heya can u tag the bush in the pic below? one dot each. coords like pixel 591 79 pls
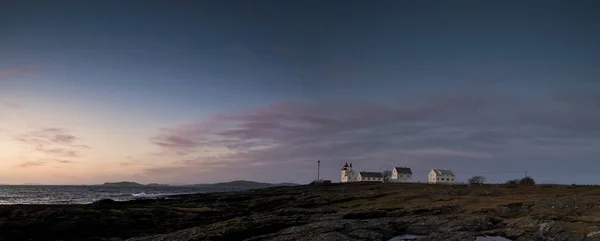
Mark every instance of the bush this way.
pixel 320 182
pixel 476 180
pixel 512 183
pixel 528 181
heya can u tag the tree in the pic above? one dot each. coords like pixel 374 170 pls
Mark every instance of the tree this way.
pixel 476 180
pixel 387 174
pixel 527 181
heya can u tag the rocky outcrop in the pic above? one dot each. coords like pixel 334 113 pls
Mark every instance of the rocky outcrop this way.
pixel 429 228
pixel 331 212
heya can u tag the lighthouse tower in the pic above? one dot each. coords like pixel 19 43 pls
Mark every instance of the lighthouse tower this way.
pixel 345 172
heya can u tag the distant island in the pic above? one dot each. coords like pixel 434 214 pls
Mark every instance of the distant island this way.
pixel 123 184
pixel 241 184
pixel 238 184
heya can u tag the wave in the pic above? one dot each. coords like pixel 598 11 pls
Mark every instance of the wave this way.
pixel 155 195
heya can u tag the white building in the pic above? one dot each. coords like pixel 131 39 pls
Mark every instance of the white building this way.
pixel 349 175
pixel 441 176
pixel 401 174
pixel 370 176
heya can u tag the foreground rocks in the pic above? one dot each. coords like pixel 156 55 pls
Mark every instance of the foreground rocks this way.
pixel 332 212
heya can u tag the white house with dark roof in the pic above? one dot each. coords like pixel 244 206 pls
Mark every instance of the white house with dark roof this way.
pixel 401 174
pixel 441 176
pixel 370 176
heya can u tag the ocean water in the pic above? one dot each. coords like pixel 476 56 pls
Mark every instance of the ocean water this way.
pixel 87 194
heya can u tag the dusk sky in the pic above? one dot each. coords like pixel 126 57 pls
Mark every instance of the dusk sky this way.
pixel 210 91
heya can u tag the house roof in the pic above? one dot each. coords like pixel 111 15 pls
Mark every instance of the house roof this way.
pixel 403 170
pixel 444 172
pixel 371 174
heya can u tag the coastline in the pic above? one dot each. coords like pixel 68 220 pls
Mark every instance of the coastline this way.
pixel 357 211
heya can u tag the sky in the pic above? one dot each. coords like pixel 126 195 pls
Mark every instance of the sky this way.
pixel 211 91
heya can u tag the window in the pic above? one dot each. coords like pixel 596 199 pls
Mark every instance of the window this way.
pixel 438 178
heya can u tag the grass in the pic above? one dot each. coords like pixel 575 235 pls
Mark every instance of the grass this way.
pixel 576 207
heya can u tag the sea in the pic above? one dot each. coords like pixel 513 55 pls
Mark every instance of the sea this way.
pixel 10 195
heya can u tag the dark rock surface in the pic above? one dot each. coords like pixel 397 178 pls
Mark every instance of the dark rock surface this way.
pixel 332 212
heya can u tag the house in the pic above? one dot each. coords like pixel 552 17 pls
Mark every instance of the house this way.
pixel 441 176
pixel 401 174
pixel 349 175
pixel 370 176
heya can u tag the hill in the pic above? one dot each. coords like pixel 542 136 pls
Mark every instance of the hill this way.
pixel 122 184
pixel 242 185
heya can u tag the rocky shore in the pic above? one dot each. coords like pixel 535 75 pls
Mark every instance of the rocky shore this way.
pixel 327 212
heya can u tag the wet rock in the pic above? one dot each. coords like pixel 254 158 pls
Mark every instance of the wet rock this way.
pixel 452 236
pixel 104 202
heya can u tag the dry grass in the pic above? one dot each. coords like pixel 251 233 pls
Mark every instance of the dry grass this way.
pixel 577 207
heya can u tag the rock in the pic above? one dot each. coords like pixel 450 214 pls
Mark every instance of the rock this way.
pixel 550 229
pixel 104 202
pixel 233 229
pixel 368 214
pixel 593 234
pixel 512 233
pixel 471 224
pixel 524 223
pixel 592 229
pixel 452 236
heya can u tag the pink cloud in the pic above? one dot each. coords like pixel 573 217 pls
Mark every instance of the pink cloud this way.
pixel 57 142
pixel 32 164
pixel 65 161
pixel 427 131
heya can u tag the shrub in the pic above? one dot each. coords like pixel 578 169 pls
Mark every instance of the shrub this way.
pixel 528 181
pixel 476 180
pixel 512 183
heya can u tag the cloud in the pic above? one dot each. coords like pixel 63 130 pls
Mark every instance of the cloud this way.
pixel 9 104
pixel 4 73
pixel 245 51
pixel 65 162
pixel 130 161
pixel 56 142
pixel 285 52
pixel 32 164
pixel 466 130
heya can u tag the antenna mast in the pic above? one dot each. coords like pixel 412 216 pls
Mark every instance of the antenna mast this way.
pixel 318 170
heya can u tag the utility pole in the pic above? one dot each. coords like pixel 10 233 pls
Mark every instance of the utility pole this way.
pixel 318 170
